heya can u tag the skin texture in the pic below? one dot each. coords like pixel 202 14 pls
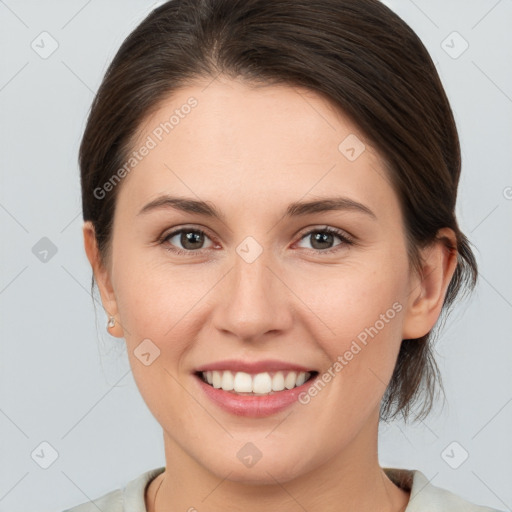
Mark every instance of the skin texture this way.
pixel 250 152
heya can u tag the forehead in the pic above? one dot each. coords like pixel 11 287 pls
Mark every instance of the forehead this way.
pixel 230 140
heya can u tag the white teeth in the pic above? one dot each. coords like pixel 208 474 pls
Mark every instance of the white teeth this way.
pixel 242 383
pixel 260 383
pixel 301 378
pixel 227 382
pixel 217 379
pixel 289 382
pixel 278 382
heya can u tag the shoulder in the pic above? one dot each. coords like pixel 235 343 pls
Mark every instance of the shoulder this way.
pixel 119 500
pixel 426 497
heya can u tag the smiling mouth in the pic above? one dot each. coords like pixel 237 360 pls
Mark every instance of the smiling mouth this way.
pixel 264 383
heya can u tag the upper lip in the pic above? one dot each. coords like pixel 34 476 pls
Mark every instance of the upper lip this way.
pixel 267 365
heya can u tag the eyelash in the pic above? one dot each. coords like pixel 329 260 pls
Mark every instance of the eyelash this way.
pixel 343 236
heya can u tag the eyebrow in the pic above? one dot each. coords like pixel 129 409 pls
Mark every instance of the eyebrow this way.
pixel 296 209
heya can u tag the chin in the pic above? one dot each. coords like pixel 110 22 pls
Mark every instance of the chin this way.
pixel 266 467
pixel 260 474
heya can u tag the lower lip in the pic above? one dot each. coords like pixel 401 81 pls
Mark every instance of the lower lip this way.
pixel 253 406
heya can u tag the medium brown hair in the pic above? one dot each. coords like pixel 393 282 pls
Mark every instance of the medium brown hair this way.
pixel 357 54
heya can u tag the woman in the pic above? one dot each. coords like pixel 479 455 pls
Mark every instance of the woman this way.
pixel 269 193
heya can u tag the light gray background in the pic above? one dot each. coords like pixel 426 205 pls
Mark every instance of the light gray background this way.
pixel 64 381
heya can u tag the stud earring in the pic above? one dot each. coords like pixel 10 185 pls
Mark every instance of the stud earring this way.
pixel 111 322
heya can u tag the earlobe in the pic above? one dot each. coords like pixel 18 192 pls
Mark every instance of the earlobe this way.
pixel 426 298
pixel 102 279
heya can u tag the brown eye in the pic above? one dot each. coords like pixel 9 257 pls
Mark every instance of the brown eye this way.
pixel 190 240
pixel 322 239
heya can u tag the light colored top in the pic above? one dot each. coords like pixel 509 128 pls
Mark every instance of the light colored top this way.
pixel 424 497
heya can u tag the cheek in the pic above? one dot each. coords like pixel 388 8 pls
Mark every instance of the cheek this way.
pixel 348 299
pixel 366 317
pixel 362 306
pixel 160 301
pixel 154 305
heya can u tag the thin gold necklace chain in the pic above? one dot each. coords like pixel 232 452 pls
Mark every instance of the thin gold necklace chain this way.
pixel 160 485
pixel 156 494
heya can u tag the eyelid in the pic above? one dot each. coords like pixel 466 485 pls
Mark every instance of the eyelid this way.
pixel 346 238
pixel 162 239
pixel 331 229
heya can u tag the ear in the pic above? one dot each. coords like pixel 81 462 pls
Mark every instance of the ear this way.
pixel 102 277
pixel 428 290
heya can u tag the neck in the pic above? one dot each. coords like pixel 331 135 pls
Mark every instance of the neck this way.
pixel 350 480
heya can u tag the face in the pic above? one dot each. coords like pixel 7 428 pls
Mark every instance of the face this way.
pixel 326 290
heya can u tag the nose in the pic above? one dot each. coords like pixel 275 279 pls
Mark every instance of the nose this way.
pixel 253 300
